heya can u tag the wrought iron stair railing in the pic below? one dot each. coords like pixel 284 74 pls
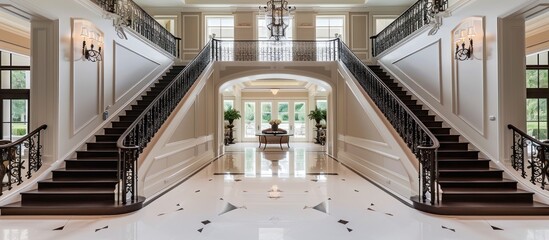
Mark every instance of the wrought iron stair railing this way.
pixel 418 15
pixel 416 135
pixel 530 157
pixel 129 14
pixel 25 154
pixel 132 142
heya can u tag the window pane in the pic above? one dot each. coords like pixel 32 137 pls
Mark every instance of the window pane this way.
pixel 227 104
pixel 532 109
pixel 249 118
pixel 532 59
pixel 6 131
pixel 322 22
pixel 5 59
pixel 531 78
pixel 20 79
pixel 18 130
pixel 543 79
pixel 5 76
pixel 336 21
pixel 19 110
pixel 542 104
pixel 6 107
pixel 542 131
pixel 20 60
pixel 543 58
pixel 227 22
pixel 299 120
pixel 266 110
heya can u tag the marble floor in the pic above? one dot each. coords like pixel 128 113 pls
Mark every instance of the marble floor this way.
pixel 294 194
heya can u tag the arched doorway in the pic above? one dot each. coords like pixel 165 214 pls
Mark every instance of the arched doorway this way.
pixel 290 97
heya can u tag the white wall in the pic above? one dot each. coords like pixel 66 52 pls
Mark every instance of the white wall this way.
pixel 368 143
pixel 465 94
pixel 184 144
pixel 69 94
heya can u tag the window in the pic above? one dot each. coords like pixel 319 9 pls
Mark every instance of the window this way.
pixel 264 34
pixel 221 26
pixel 14 95
pixel 284 115
pixel 228 104
pixel 328 26
pixel 381 22
pixel 266 114
pixel 537 94
pixel 249 119
pixel 300 116
pixel 322 104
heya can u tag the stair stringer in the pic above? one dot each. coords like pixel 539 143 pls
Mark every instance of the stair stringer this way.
pixel 160 164
pixel 540 195
pixel 14 195
pixel 402 185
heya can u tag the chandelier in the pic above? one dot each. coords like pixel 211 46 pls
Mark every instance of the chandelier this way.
pixel 277 15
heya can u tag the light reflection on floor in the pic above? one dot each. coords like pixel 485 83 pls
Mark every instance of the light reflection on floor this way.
pixel 251 194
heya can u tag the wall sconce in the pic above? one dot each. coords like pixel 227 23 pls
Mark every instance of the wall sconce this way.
pixel 91 54
pixel 274 90
pixel 465 52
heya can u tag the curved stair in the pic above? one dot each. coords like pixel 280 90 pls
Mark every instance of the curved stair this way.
pixel 86 186
pixel 469 185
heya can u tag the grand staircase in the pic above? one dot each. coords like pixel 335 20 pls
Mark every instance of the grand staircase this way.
pixel 469 185
pixel 86 186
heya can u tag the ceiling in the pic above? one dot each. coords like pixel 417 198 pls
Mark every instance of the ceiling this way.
pixel 537 24
pixel 255 3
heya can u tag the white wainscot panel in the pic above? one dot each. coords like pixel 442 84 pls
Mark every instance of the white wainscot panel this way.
pixel 470 94
pixel 86 93
pixel 423 68
pixel 130 68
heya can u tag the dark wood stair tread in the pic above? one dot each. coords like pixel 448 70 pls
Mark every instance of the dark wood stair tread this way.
pixel 74 191
pixel 485 191
pixel 72 208
pixel 482 208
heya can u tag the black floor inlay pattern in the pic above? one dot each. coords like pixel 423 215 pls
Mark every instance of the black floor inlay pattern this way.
pixel 449 229
pixel 99 229
pixel 496 228
pixel 343 221
pixel 59 228
pixel 206 222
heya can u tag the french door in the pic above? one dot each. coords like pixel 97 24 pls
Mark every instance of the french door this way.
pixel 258 113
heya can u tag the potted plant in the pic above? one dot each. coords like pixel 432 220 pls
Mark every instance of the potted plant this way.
pixel 230 115
pixel 317 115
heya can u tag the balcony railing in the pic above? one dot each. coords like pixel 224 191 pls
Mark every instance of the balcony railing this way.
pixel 417 16
pixel 131 15
pixel 530 157
pixel 275 51
pixel 20 159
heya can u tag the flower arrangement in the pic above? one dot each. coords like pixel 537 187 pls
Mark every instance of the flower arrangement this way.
pixel 275 121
